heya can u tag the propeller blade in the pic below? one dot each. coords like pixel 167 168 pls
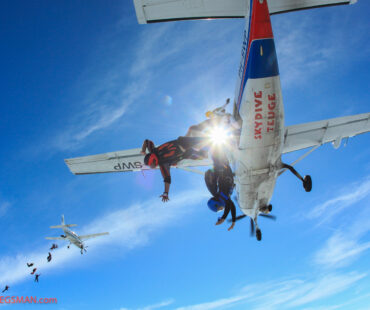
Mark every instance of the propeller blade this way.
pixel 269 216
pixel 252 228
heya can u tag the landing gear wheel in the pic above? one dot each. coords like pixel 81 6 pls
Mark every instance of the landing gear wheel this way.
pixel 307 183
pixel 67 247
pixel 258 234
pixel 269 207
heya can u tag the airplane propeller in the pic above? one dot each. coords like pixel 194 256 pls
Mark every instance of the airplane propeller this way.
pixel 253 230
pixel 269 216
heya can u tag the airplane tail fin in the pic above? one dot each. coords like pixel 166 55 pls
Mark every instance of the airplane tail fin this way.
pixel 63 224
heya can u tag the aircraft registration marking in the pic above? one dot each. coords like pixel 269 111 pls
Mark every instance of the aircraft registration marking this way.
pixel 128 166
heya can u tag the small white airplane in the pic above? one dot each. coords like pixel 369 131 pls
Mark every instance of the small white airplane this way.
pixel 72 237
pixel 258 104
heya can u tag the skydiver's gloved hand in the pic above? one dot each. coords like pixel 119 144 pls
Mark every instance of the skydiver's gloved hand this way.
pixel 220 221
pixel 231 227
pixel 164 197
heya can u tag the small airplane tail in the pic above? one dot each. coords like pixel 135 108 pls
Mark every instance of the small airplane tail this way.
pixel 148 11
pixel 63 224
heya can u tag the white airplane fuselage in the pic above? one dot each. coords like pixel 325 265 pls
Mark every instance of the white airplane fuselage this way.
pixel 73 238
pixel 259 104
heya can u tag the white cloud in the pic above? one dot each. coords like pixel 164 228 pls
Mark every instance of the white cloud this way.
pixel 339 251
pixel 327 286
pixel 352 194
pixel 107 98
pixel 283 294
pixel 129 228
pixel 345 246
pixel 304 50
pixel 158 305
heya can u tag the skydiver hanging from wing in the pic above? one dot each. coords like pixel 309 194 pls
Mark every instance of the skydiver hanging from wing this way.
pixel 169 154
pixel 220 183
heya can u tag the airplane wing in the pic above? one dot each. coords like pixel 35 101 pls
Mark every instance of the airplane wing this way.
pixel 151 11
pixel 333 130
pixel 55 238
pixel 85 237
pixel 120 161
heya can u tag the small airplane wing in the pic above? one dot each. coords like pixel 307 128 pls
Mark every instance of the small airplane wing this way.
pixel 85 237
pixel 120 161
pixel 55 238
pixel 333 130
pixel 151 11
pixel 283 6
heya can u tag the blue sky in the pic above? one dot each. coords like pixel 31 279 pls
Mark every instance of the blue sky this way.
pixel 84 78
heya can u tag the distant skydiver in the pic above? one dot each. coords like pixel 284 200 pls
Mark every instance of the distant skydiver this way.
pixel 33 271
pixel 169 154
pixel 220 183
pixel 49 257
pixel 29 265
pixel 37 277
pixel 5 289
pixel 53 247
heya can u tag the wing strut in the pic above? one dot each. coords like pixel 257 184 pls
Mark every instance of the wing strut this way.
pixel 192 170
pixel 300 158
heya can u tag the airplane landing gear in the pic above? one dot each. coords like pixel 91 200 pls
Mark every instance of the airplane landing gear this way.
pixel 68 247
pixel 307 181
pixel 256 231
pixel 258 234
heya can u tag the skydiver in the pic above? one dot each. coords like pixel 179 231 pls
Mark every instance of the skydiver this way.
pixel 217 117
pixel 169 154
pixel 5 289
pixel 33 271
pixel 49 257
pixel 54 246
pixel 37 277
pixel 220 183
pixel 29 265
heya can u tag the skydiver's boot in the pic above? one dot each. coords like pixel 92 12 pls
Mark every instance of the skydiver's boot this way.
pixel 307 181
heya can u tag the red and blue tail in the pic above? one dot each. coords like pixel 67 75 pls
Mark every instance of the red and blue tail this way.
pixel 258 52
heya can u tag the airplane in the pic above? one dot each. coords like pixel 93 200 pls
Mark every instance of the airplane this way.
pixel 72 237
pixel 257 106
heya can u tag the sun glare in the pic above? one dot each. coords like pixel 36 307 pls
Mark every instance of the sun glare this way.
pixel 218 135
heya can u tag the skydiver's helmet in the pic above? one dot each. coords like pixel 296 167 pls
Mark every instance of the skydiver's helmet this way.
pixel 151 160
pixel 209 114
pixel 216 204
